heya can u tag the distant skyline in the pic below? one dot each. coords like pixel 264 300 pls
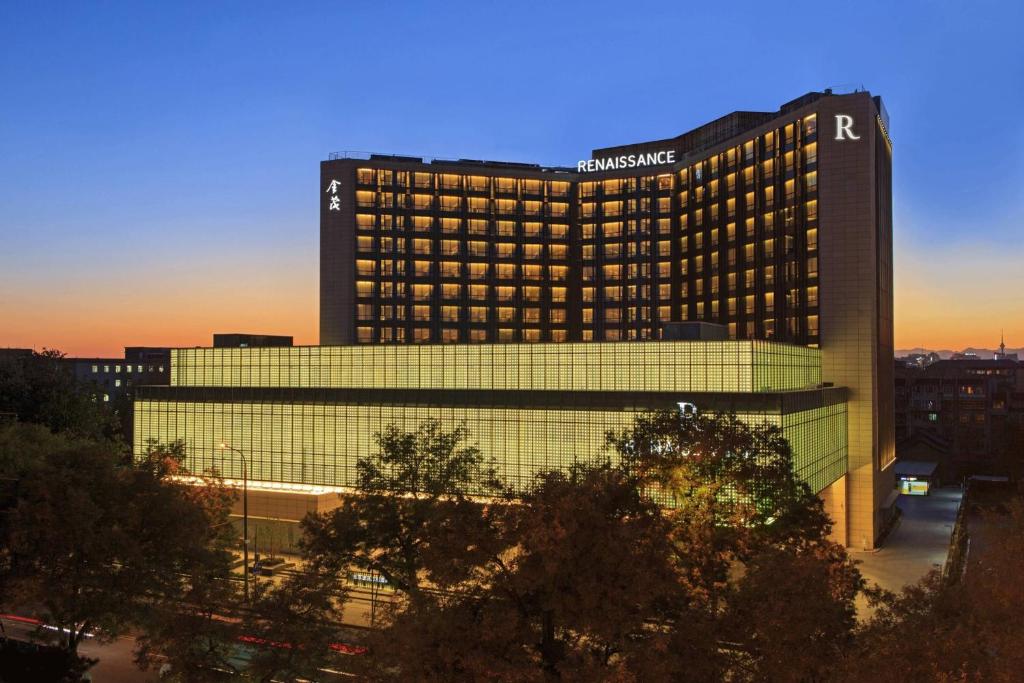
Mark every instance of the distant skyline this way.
pixel 159 165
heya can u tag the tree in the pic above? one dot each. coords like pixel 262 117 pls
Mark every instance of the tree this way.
pixel 412 493
pixel 746 533
pixel 40 389
pixel 658 567
pixel 293 627
pixel 190 623
pixel 100 545
pixel 579 571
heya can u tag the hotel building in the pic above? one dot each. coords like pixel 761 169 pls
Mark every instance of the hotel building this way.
pixel 566 283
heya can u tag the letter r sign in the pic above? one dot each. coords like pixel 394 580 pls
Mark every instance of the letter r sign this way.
pixel 844 127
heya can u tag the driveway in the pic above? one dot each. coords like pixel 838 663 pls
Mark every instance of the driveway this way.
pixel 918 544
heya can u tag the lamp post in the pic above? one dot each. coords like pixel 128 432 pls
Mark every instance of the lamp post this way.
pixel 245 514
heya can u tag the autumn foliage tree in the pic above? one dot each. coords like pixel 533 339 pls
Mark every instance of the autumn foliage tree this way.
pixel 694 554
pixel 99 546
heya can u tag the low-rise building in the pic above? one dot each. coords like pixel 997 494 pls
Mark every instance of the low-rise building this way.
pixel 966 412
pixel 112 377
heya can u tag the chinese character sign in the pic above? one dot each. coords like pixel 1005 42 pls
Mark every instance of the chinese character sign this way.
pixel 332 189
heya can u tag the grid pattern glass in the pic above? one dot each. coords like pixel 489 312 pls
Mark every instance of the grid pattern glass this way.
pixel 688 366
pixel 319 444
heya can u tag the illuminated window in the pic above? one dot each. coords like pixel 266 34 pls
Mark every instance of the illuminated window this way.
pixel 812 210
pixel 810 125
pixel 810 153
pixel 505 205
pixel 612 229
pixel 611 208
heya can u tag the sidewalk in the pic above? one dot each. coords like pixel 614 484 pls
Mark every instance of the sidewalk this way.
pixel 917 545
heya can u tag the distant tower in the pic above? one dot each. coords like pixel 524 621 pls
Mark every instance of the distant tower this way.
pixel 1001 354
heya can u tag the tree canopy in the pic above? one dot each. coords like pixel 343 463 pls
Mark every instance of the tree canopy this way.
pixel 40 389
pixel 694 554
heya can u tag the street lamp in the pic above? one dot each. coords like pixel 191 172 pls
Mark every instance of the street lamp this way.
pixel 245 514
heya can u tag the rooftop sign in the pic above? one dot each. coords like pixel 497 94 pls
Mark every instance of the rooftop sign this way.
pixel 665 156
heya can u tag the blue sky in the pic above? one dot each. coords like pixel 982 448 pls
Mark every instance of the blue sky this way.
pixel 159 161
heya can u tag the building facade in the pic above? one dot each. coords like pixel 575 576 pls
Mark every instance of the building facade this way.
pixel 112 377
pixel 776 225
pixel 303 416
pixel 244 340
pixel 966 414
